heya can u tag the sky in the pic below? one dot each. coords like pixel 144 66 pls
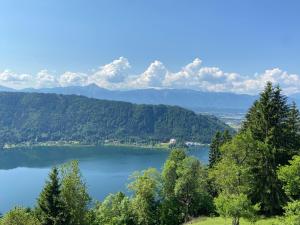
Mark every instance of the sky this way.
pixel 208 45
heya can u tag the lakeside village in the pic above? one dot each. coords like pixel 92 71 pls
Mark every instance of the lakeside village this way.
pixel 171 143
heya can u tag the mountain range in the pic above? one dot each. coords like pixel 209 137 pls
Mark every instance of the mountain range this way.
pixel 198 101
pixel 191 99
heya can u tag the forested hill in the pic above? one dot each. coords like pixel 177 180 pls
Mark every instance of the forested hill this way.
pixel 37 117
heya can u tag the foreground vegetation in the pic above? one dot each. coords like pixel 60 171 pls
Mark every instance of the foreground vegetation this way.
pixel 253 175
pixel 222 221
pixel 29 118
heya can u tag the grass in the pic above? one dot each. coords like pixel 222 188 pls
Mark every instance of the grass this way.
pixel 222 221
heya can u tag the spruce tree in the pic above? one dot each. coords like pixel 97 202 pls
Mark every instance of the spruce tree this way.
pixel 269 121
pixel 50 208
pixel 214 151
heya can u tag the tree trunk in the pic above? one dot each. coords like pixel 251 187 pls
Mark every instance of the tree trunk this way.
pixel 236 221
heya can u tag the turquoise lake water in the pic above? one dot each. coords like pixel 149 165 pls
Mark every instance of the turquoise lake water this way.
pixel 105 169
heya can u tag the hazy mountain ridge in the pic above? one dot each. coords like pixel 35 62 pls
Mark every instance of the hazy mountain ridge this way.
pixel 195 100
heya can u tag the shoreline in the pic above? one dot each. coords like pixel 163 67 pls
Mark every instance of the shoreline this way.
pixel 159 146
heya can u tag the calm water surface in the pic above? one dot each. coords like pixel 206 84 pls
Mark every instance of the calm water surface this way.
pixel 105 169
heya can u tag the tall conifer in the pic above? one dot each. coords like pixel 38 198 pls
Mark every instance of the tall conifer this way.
pixel 51 209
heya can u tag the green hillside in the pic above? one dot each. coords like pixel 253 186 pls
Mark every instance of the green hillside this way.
pixel 33 117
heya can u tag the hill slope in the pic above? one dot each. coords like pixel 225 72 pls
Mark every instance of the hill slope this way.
pixel 51 117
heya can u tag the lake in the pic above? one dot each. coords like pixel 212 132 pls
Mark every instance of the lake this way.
pixel 105 169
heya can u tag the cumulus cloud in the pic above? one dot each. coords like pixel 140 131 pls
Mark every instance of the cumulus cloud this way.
pixel 11 79
pixel 45 80
pixel 72 79
pixel 117 75
pixel 154 76
pixel 111 75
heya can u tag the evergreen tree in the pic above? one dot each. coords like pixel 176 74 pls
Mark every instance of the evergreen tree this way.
pixel 269 121
pixel 214 151
pixel 51 210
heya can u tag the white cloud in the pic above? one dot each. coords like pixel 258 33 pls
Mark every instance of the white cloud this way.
pixel 154 76
pixel 111 75
pixel 11 79
pixel 72 79
pixel 116 75
pixel 45 80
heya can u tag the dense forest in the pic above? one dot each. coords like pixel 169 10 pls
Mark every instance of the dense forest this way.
pixel 32 117
pixel 251 175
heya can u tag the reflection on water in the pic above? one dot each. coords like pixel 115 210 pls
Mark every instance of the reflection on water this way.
pixel 105 169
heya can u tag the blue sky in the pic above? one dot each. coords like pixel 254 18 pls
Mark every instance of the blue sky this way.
pixel 244 37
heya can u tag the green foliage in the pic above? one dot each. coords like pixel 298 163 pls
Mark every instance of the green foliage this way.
pixel 214 151
pixel 293 129
pixel 290 176
pixel 184 189
pixel 232 176
pixel 189 186
pixel 292 213
pixel 171 209
pixel 74 194
pixel 19 216
pixel 236 206
pixel 221 221
pixel 232 173
pixel 146 188
pixel 275 126
pixel 51 209
pixel 114 210
pixel 33 117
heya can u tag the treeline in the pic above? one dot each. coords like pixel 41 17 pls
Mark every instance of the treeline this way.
pixel 33 118
pixel 255 173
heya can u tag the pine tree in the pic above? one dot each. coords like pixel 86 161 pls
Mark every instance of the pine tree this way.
pixel 50 208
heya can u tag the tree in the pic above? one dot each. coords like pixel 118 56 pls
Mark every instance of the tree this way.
pixel 292 213
pixel 51 210
pixel 114 210
pixel 19 216
pixel 214 151
pixel 233 179
pixel 184 189
pixel 74 194
pixel 290 176
pixel 146 188
pixel 293 128
pixel 171 207
pixel 236 206
pixel 189 186
pixel 268 121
